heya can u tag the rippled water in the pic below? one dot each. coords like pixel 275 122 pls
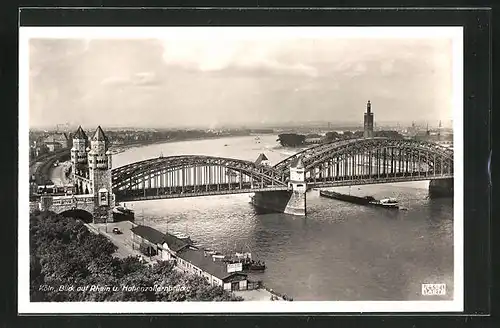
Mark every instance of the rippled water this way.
pixel 340 251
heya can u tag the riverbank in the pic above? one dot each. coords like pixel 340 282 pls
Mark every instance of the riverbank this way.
pixel 260 295
pixel 116 149
pixel 125 249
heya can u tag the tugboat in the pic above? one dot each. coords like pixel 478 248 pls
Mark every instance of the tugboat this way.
pixel 387 203
pixel 248 264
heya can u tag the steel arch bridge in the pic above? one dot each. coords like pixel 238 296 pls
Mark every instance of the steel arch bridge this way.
pixel 371 160
pixel 192 175
pixel 346 162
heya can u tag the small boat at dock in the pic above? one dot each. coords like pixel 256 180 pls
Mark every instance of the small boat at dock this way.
pixel 248 264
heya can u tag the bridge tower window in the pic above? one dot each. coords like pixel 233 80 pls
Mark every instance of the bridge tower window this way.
pixel 103 197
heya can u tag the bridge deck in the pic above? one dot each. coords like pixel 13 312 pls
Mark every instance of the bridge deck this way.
pixel 340 183
pixel 151 194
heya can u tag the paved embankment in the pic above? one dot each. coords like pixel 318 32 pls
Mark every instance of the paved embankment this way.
pixel 58 174
pixel 124 243
pixel 123 240
pixel 41 166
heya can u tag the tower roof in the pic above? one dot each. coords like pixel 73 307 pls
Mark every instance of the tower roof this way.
pixel 99 135
pixel 261 158
pixel 80 134
pixel 298 163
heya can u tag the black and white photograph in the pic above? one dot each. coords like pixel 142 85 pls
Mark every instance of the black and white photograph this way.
pixel 240 169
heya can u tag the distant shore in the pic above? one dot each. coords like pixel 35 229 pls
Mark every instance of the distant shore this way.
pixel 117 149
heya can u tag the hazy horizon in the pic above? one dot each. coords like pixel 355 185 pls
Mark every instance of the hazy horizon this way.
pixel 217 81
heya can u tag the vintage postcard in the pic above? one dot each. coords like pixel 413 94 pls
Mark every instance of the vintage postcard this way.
pixel 240 169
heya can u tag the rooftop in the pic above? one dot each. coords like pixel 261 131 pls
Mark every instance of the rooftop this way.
pixel 149 233
pixel 261 158
pixel 206 263
pixel 158 237
pixel 80 134
pixel 99 135
pixel 175 243
pixel 297 163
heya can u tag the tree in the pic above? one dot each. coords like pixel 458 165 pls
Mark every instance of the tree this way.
pixel 65 253
pixel 291 139
pixel 332 136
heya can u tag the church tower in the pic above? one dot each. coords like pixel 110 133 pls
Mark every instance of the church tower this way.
pixel 99 161
pixel 368 123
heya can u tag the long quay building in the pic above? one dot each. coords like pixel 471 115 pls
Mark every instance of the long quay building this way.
pixel 188 258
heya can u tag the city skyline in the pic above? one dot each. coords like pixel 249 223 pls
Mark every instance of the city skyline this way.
pixel 214 81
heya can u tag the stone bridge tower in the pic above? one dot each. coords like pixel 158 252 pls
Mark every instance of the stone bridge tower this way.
pixel 79 163
pixel 91 175
pixel 99 166
pixel 297 183
pixel 291 201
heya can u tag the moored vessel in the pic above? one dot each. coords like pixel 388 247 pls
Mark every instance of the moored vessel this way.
pixel 348 198
pixel 390 203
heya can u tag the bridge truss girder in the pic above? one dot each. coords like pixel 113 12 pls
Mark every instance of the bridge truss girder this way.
pixel 435 156
pixel 134 174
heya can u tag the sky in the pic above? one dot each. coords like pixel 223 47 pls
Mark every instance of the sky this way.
pixel 213 80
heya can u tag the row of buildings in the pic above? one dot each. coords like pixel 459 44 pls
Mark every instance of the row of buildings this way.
pixel 190 259
pixel 43 144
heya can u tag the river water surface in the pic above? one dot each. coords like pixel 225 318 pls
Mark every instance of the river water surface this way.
pixel 340 251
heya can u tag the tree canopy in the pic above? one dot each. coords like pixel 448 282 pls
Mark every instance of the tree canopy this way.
pixel 291 139
pixel 69 263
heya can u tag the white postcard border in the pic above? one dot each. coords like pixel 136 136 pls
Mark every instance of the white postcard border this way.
pixel 27 307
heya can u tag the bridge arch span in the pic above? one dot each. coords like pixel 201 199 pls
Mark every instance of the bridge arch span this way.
pixel 201 169
pixel 400 155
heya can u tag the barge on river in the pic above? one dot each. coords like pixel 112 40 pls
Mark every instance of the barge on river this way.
pixel 390 203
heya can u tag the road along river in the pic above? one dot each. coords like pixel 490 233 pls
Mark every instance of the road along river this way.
pixel 340 251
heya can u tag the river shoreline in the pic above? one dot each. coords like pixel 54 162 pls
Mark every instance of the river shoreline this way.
pixel 125 249
pixel 117 149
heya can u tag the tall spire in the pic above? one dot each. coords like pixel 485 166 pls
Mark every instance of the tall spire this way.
pixel 368 107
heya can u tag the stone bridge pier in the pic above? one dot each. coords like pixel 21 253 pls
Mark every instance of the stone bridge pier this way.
pixel 291 201
pixel 441 188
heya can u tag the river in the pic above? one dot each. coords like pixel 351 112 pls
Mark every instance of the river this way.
pixel 339 252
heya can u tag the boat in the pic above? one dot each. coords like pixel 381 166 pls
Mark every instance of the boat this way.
pixel 225 145
pixel 348 198
pixel 121 213
pixel 248 264
pixel 390 203
pixel 387 203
